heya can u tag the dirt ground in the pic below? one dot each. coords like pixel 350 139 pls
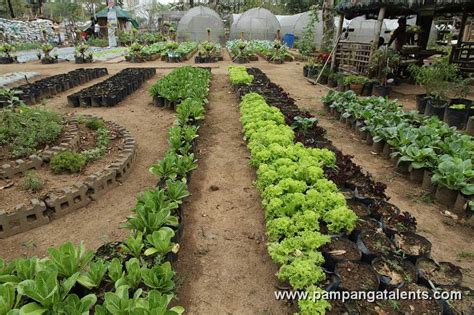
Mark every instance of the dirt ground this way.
pixel 223 264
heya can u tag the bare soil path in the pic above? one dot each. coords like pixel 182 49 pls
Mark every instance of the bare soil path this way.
pixel 223 260
pixel 450 240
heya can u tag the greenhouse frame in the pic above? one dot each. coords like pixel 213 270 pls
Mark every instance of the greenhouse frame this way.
pixel 256 23
pixel 194 24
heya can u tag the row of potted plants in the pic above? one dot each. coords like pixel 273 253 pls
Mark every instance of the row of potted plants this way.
pixel 291 198
pixel 170 51
pixel 130 277
pixel 241 51
pixel 34 92
pixel 275 52
pixel 208 52
pixel 113 90
pixel 427 149
pixel 180 84
pixel 441 81
pixel 383 251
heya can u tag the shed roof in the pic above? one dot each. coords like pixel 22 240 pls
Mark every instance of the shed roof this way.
pixel 353 8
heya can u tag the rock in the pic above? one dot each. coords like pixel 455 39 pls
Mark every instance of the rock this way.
pixel 27 31
pixel 214 188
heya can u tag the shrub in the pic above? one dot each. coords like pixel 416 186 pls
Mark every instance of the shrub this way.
pixel 95 123
pixel 24 129
pixel 32 182
pixel 67 161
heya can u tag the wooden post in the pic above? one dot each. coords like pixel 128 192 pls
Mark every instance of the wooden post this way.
pixel 378 29
pixel 462 28
pixel 338 37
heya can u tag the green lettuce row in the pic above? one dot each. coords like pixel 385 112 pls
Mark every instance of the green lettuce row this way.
pixel 137 276
pixel 182 83
pixel 238 75
pixel 296 196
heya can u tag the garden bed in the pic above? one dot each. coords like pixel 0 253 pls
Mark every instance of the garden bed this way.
pixel 418 146
pixel 35 192
pixel 113 90
pixel 350 179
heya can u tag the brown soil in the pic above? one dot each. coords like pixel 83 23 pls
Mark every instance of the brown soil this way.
pixel 398 271
pixel 411 244
pixel 441 274
pixel 342 249
pixel 418 306
pixel 376 243
pixel 223 260
pixel 55 183
pixel 357 276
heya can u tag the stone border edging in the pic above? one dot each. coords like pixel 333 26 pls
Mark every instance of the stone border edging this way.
pixel 41 212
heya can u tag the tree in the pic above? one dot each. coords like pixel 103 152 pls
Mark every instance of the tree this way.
pixel 10 7
pixel 328 26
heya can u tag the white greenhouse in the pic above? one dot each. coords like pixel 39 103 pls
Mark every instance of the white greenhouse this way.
pixel 256 23
pixel 194 24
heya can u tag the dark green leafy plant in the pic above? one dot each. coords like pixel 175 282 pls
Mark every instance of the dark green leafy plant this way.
pixel 455 174
pixel 67 161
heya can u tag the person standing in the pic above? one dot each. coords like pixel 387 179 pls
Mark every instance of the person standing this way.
pixel 96 29
pixel 400 34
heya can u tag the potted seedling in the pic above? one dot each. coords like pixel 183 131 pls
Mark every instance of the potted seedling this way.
pixel 311 69
pixel 453 175
pixel 459 109
pixel 323 78
pixel 438 79
pixel 383 64
pixel 6 56
pixel 82 55
pixel 355 83
pixel 278 54
pixel 47 58
pixel 332 79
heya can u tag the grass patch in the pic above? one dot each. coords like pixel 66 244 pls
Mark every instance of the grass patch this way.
pixel 32 182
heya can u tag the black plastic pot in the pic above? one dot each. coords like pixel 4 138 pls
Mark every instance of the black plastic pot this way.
pixel 7 60
pixel 323 79
pixel 435 274
pixel 433 109
pixel 456 117
pixel 413 245
pixel 365 243
pixel 427 183
pixel 340 249
pixel 378 146
pixel 446 196
pixel 416 174
pixel 381 90
pixel 332 83
pixel 394 272
pixel 158 101
pixel 421 100
pixel 351 271
pixel 367 89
